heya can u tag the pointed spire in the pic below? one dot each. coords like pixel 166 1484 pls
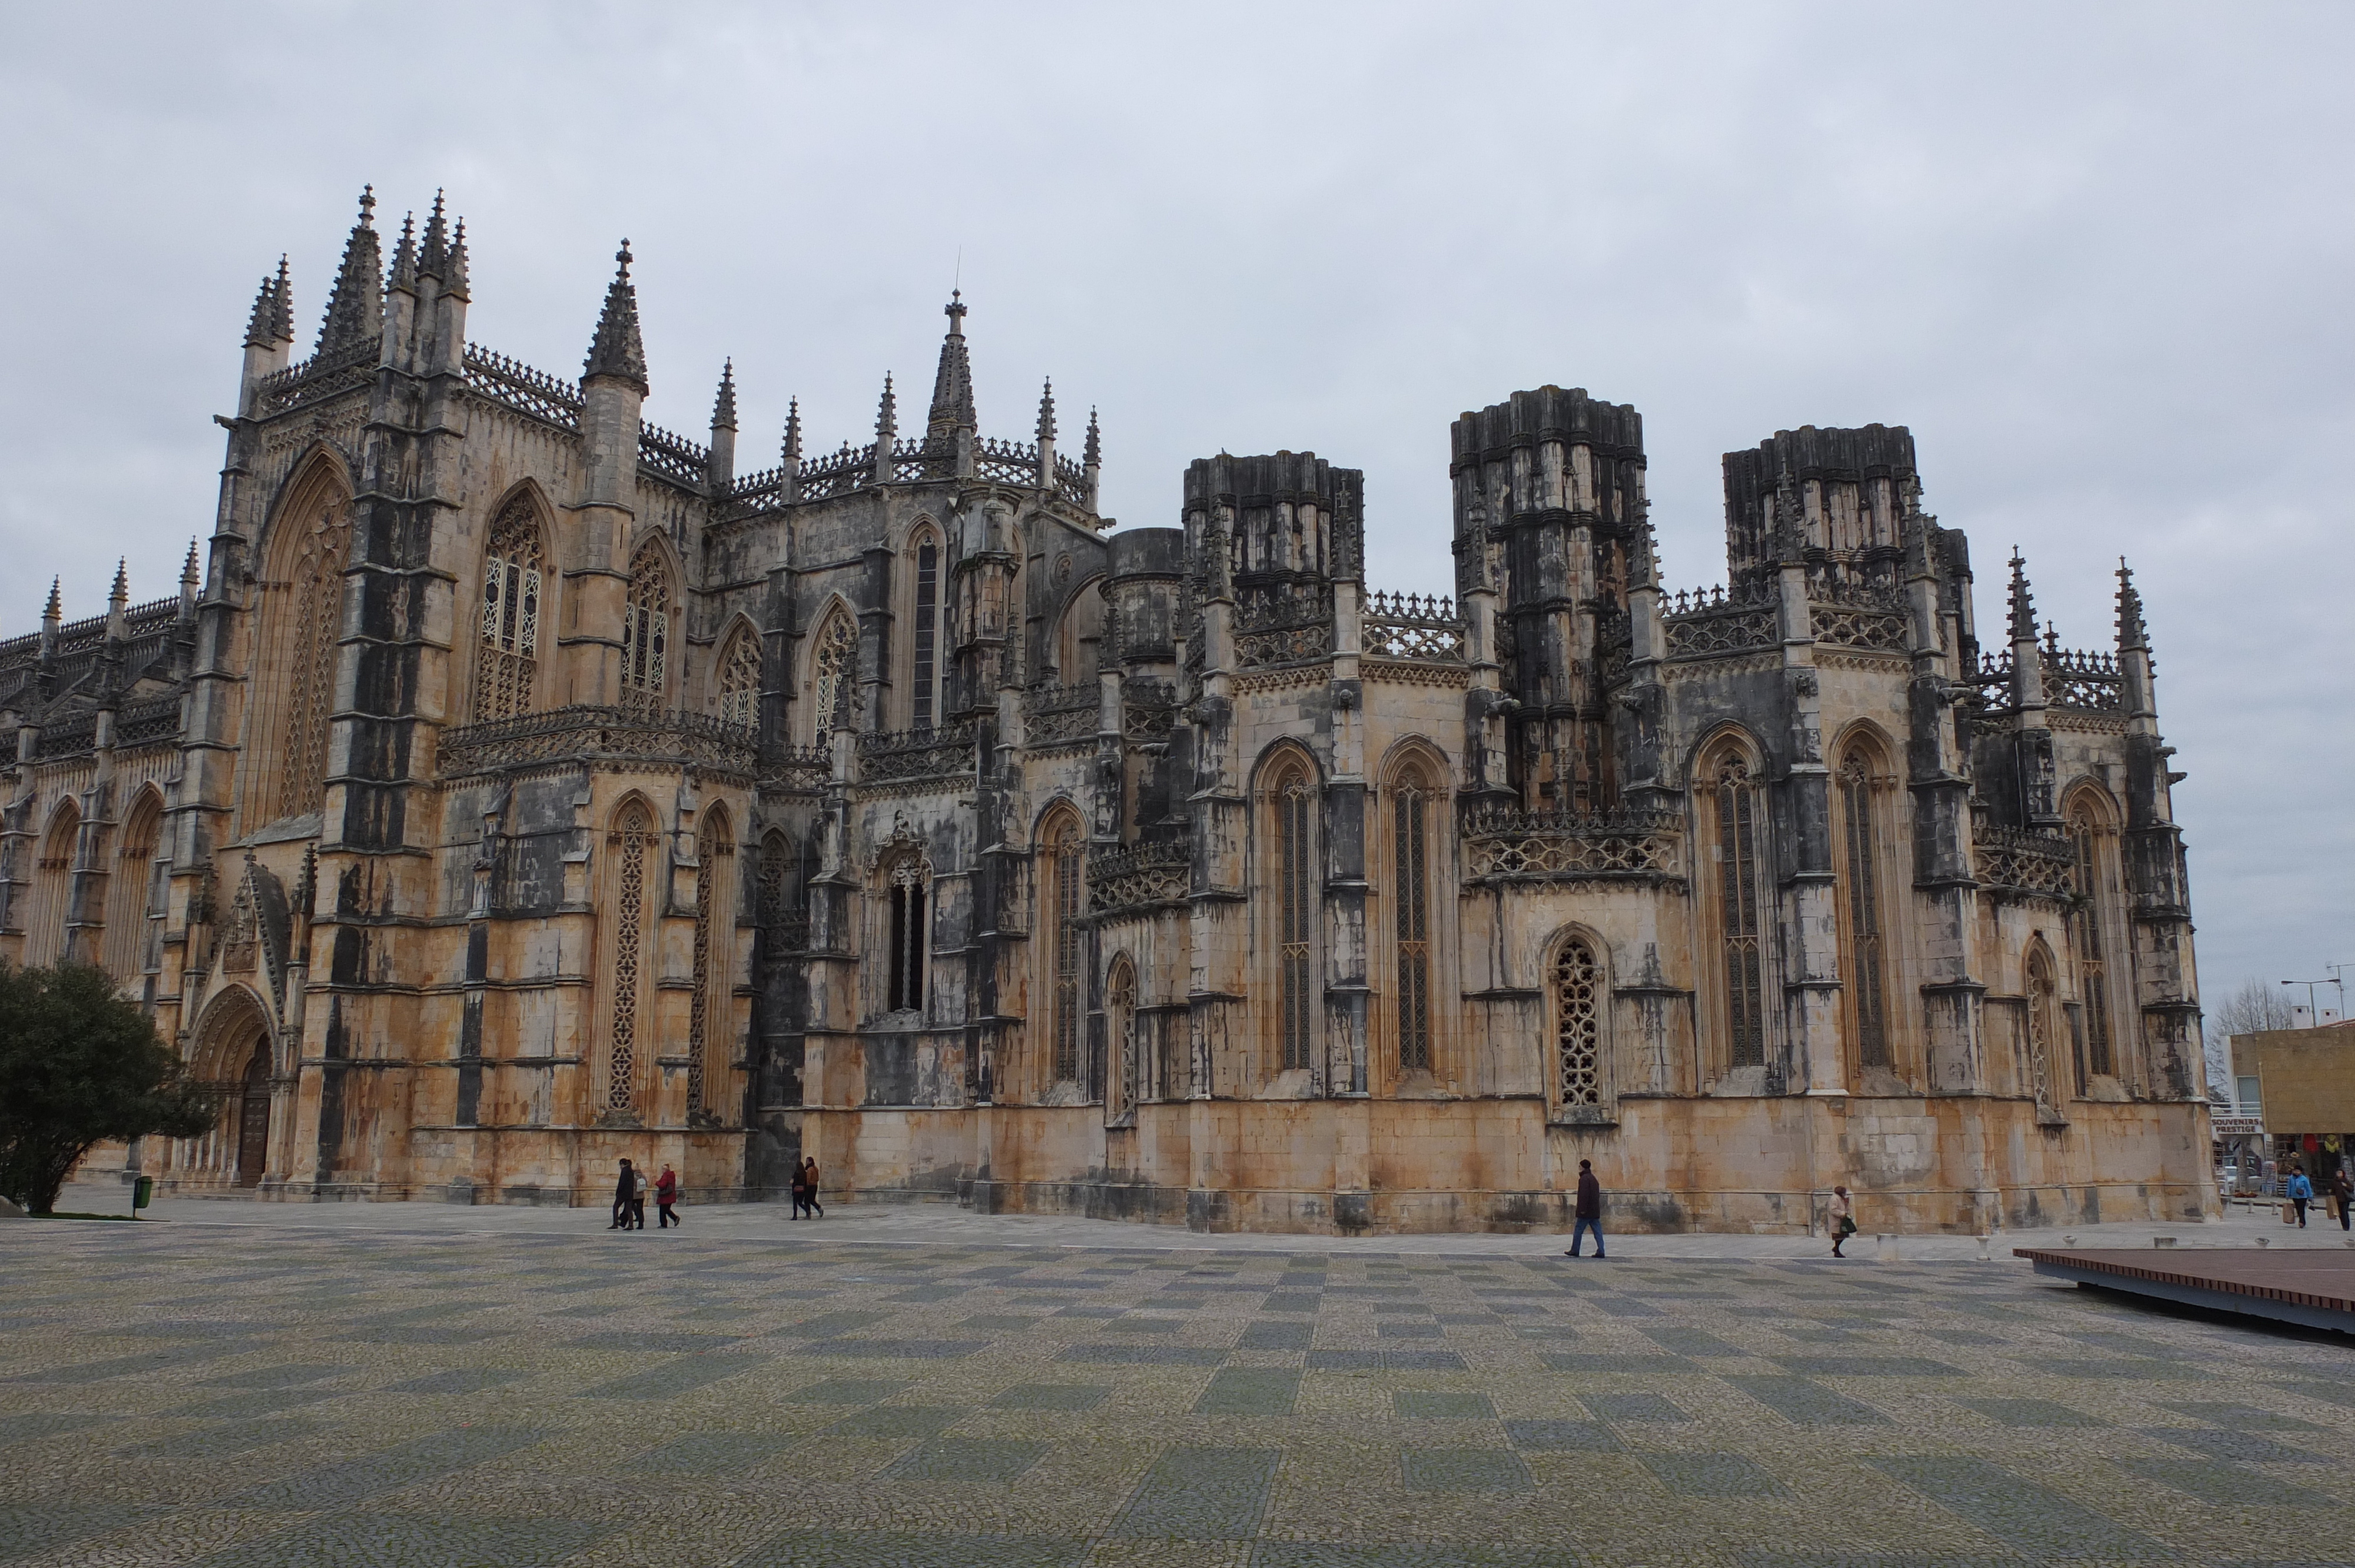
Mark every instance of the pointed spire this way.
pixel 188 581
pixel 792 448
pixel 56 608
pixel 188 577
pixel 887 414
pixel 723 407
pixel 434 253
pixel 1091 455
pixel 355 309
pixel 617 350
pixel 952 383
pixel 453 273
pixel 261 330
pixel 2023 606
pixel 2132 635
pixel 404 254
pixel 1047 413
pixel 121 592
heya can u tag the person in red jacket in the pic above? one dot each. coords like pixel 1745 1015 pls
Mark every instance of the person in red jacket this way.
pixel 1589 1211
pixel 666 1197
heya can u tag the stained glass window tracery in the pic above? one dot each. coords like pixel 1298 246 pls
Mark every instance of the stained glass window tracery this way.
pixel 315 591
pixel 1738 919
pixel 506 658
pixel 836 670
pixel 645 632
pixel 739 679
pixel 1866 984
pixel 1578 1025
pixel 1411 855
pixel 632 842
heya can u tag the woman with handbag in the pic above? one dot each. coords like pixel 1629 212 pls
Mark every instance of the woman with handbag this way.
pixel 1843 1220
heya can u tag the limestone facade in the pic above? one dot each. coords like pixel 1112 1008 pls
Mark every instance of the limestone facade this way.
pixel 518 786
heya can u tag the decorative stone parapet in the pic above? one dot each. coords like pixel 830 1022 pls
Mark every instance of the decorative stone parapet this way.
pixel 1505 845
pixel 606 735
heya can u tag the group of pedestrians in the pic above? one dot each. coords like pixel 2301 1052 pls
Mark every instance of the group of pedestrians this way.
pixel 1586 1213
pixel 631 1190
pixel 2300 1193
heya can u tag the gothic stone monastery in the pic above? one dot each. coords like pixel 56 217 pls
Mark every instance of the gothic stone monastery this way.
pixel 514 786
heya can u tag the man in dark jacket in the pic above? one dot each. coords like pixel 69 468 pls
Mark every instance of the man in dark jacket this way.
pixel 626 1193
pixel 1589 1211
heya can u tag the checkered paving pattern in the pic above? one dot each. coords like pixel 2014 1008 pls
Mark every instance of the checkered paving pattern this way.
pixel 225 1397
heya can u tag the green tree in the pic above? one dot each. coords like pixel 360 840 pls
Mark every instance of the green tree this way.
pixel 79 1065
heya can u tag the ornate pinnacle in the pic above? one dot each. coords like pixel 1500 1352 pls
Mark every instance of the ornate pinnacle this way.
pixel 723 407
pixel 282 321
pixel 2132 637
pixel 355 308
pixel 264 320
pixel 2023 606
pixel 1091 455
pixel 1643 564
pixel 1047 413
pixel 793 452
pixel 120 594
pixel 617 351
pixel 404 254
pixel 454 274
pixel 189 571
pixel 887 416
pixel 435 251
pixel 952 382
pixel 56 608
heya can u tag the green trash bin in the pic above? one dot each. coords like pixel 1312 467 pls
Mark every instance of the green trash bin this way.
pixel 143 1192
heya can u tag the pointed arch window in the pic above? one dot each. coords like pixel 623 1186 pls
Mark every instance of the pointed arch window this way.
pixel 506 654
pixel 314 589
pixel 836 670
pixel 1066 898
pixel 1295 923
pixel 1577 1024
pixel 633 843
pixel 645 632
pixel 127 893
pixel 2085 831
pixel 1739 940
pixel 740 680
pixel 908 881
pixel 1410 804
pixel 776 894
pixel 45 927
pixel 2041 1029
pixel 1127 1087
pixel 925 689
pixel 1868 998
pixel 715 853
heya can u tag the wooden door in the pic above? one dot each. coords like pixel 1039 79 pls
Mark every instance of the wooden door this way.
pixel 253 1121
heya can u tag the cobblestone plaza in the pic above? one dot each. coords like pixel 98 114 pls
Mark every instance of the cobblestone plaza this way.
pixel 420 1389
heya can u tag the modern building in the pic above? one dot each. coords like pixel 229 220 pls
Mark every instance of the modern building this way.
pixel 514 786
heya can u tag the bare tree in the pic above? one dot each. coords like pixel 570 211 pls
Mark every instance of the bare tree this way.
pixel 2250 1006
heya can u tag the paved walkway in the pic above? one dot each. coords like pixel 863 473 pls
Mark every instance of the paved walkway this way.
pixel 267 1386
pixel 943 1225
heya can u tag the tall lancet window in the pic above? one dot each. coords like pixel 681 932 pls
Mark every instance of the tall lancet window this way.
pixel 314 589
pixel 1067 948
pixel 1741 948
pixel 45 927
pixel 1867 982
pixel 1410 865
pixel 924 700
pixel 2086 829
pixel 645 632
pixel 835 675
pixel 715 853
pixel 906 882
pixel 1578 1025
pixel 127 889
pixel 633 844
pixel 1296 892
pixel 506 657
pixel 2041 1029
pixel 739 679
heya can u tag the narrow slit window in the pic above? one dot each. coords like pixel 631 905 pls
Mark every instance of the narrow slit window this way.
pixel 927 616
pixel 1737 830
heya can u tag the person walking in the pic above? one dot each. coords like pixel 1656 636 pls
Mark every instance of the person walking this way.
pixel 2342 1193
pixel 1588 1209
pixel 666 1197
pixel 1842 1215
pixel 624 1191
pixel 2301 1194
pixel 809 1189
pixel 801 1189
pixel 638 1200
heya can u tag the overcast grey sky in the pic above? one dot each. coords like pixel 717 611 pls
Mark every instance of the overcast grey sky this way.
pixel 2097 257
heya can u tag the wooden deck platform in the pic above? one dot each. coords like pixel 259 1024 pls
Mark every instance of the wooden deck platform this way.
pixel 2309 1286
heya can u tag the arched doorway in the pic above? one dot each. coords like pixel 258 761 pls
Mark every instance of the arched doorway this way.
pixel 253 1118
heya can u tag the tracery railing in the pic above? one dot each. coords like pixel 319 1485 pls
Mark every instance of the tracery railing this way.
pixel 322 375
pixel 1289 622
pixel 158 718
pixel 518 385
pixel 2078 680
pixel 673 456
pixel 1571 846
pixel 1419 627
pixel 1847 626
pixel 801 768
pixel 1711 620
pixel 2023 861
pixel 1140 876
pixel 1008 462
pixel 599 733
pixel 67 737
pixel 1056 715
pixel 837 472
pixel 889 756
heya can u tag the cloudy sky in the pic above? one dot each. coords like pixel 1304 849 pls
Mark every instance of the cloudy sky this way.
pixel 2098 258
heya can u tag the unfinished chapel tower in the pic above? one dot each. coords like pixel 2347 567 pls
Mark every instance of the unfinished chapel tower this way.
pixel 510 785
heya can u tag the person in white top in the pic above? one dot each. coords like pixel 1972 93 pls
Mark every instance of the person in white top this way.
pixel 1842 1215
